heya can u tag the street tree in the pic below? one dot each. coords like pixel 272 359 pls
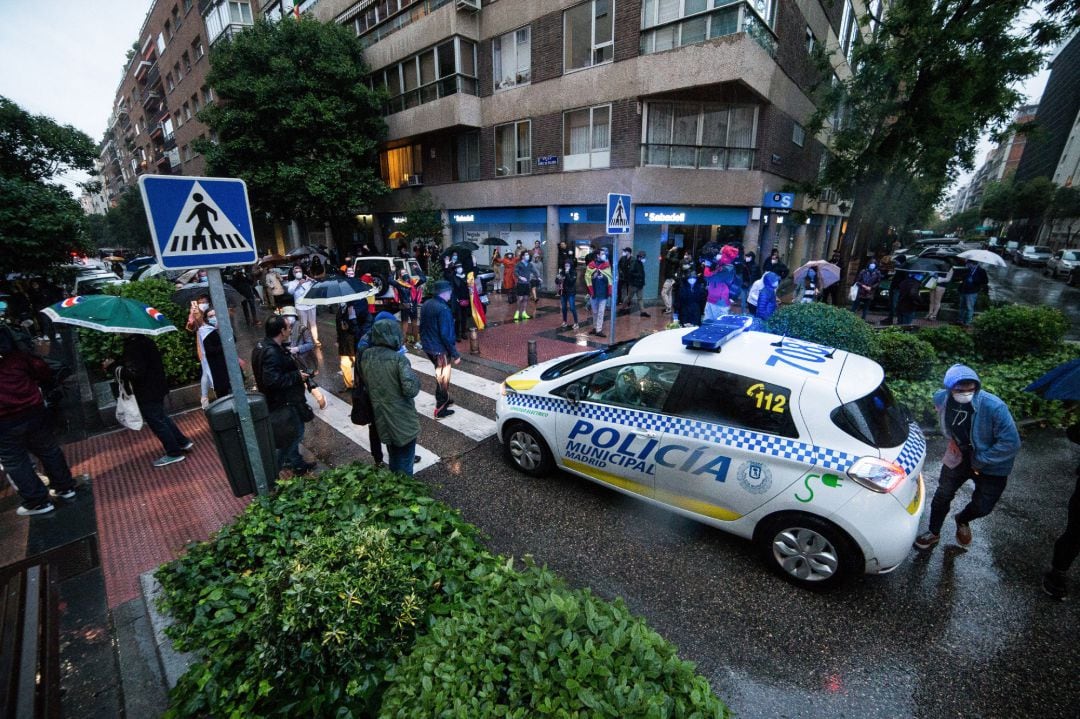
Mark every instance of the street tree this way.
pixel 999 200
pixel 1032 201
pixel 41 223
pixel 127 223
pixel 423 219
pixel 934 76
pixel 296 119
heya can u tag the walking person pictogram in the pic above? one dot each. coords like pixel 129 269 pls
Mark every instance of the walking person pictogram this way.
pixel 203 211
pixel 619 218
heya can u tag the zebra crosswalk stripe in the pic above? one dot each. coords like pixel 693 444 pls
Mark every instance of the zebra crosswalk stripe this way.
pixel 464 380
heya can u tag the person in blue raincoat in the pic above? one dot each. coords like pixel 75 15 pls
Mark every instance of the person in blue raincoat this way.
pixel 766 299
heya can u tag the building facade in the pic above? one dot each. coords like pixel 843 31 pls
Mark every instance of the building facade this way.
pixel 1056 116
pixel 519 117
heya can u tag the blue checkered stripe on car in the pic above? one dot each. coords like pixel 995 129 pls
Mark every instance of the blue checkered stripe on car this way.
pixel 756 442
pixel 913 450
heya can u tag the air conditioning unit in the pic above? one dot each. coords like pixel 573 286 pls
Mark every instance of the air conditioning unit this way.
pixel 470 5
pixel 414 180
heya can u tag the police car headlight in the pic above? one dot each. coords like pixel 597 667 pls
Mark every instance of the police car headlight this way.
pixel 876 474
pixel 505 390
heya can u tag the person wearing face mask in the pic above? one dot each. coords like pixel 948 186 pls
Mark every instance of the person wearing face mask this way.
pixel 974 280
pixel 689 300
pixel 300 343
pixel 509 262
pixel 671 271
pixel 635 282
pixel 459 301
pixel 525 275
pixel 298 288
pixel 195 322
pixel 437 337
pixel 626 263
pixel 983 444
pixel 566 287
pixel 598 284
pixel 867 283
pixel 214 356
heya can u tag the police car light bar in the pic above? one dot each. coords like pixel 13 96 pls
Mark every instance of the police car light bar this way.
pixel 712 336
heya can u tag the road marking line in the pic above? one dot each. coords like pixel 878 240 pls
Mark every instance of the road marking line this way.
pixel 468 423
pixel 464 380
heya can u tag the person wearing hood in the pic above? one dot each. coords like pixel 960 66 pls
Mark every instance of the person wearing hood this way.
pixel 362 345
pixel 689 301
pixel 810 291
pixel 509 262
pixel 907 296
pixel 440 343
pixel 722 283
pixel 598 285
pixel 526 277
pixel 973 280
pixel 766 302
pixel 983 444
pixel 459 300
pixel 867 282
pixel 393 386
pixel 301 344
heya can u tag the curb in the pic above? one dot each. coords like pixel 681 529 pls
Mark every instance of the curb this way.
pixel 173 663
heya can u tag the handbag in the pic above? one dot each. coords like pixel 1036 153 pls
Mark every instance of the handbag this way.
pixel 127 408
pixel 282 426
pixel 932 283
pixel 362 411
pixel 853 293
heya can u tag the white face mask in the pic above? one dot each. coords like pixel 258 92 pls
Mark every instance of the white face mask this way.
pixel 298 275
pixel 204 306
pixel 212 321
pixel 963 397
pixel 603 258
pixel 461 273
pixel 691 280
pixel 290 321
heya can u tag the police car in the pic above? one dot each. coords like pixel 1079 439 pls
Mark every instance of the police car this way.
pixel 796 446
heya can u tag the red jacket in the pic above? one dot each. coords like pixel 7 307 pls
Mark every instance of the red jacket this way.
pixel 20 374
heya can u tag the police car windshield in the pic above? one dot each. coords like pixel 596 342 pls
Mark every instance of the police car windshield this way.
pixel 619 349
pixel 875 419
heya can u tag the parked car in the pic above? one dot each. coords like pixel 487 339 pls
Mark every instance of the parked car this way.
pixel 934 262
pixel 1062 262
pixel 1033 255
pixel 1004 249
pixel 94 283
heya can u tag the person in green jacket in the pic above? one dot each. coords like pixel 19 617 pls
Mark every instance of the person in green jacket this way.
pixel 393 387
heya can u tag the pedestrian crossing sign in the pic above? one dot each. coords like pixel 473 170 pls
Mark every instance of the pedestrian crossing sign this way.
pixel 198 222
pixel 618 214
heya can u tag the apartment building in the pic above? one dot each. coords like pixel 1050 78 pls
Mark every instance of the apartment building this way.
pixel 519 116
pixel 154 121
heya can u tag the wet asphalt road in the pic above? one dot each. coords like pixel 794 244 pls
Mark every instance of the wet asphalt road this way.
pixel 1028 286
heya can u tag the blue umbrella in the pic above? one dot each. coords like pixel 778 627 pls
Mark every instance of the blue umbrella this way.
pixel 1062 382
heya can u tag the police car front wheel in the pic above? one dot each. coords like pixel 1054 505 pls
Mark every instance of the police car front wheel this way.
pixel 527 450
pixel 808 551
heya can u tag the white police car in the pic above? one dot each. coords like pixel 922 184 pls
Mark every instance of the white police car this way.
pixel 796 446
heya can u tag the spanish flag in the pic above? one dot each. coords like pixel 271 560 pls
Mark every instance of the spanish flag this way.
pixel 475 304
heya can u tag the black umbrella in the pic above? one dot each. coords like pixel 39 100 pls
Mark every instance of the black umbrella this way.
pixel 926 264
pixel 337 290
pixel 495 241
pixel 189 293
pixel 462 248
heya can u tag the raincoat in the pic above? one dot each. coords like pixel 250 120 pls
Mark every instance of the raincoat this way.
pixel 392 385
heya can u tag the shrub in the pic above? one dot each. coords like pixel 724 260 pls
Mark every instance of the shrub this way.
pixel 903 355
pixel 1018 330
pixel 524 645
pixel 948 341
pixel 825 324
pixel 177 348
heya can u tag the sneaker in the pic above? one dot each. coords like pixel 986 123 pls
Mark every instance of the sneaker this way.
pixel 167 459
pixel 525 316
pixel 443 414
pixel 645 314
pixel 62 494
pixel 667 312
pixel 926 540
pixel 574 326
pixel 304 467
pixel 963 534
pixel 517 317
pixel 563 327
pixel 188 446
pixel 29 510
pixel 1054 584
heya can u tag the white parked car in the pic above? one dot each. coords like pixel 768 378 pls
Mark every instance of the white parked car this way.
pixel 1062 263
pixel 1033 255
pixel 795 446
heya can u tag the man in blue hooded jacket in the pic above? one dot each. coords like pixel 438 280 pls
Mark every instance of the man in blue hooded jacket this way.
pixel 983 443
pixel 439 340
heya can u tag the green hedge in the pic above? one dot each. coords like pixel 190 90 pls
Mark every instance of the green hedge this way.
pixel 903 355
pixel 1018 331
pixel 318 600
pixel 177 348
pixel 948 341
pixel 825 324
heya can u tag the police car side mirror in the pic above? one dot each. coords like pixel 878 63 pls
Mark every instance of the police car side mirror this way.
pixel 573 393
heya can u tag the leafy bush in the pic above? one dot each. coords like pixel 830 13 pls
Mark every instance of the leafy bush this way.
pixel 177 348
pixel 950 342
pixel 306 603
pixel 1019 330
pixel 903 355
pixel 825 324
pixel 524 645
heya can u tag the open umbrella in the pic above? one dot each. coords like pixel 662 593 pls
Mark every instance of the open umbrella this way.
pixel 187 277
pixel 1062 382
pixel 984 257
pixel 306 251
pixel 462 248
pixel 827 273
pixel 495 241
pixel 926 264
pixel 397 235
pixel 190 292
pixel 114 258
pixel 108 313
pixel 274 259
pixel 336 290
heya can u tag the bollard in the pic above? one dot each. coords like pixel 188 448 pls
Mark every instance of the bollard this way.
pixel 532 353
pixel 474 341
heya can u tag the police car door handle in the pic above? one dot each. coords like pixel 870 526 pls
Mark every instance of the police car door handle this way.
pixel 648 434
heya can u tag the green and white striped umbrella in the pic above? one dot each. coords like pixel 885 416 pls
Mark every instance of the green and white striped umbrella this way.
pixel 108 313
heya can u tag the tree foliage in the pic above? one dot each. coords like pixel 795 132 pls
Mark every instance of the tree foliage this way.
pixel 295 119
pixel 40 222
pixel 127 224
pixel 423 219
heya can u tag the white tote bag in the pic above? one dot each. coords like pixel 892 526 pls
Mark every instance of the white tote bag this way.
pixel 127 409
pixel 853 293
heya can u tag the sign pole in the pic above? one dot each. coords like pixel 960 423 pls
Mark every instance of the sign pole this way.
pixel 236 379
pixel 616 240
pixel 618 224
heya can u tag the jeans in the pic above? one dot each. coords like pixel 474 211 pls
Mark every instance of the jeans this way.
pixel 401 458
pixel 1067 546
pixel 988 489
pixel 598 306
pixel 443 367
pixel 289 455
pixel 153 414
pixel 716 310
pixel 665 295
pixel 865 305
pixel 633 297
pixel 569 303
pixel 906 318
pixel 30 432
pixel 967 308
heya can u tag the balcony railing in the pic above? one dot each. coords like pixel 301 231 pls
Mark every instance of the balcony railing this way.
pixel 450 85
pixel 170 140
pixel 153 76
pixel 151 98
pixel 371 33
pixel 735 17
pixel 697 157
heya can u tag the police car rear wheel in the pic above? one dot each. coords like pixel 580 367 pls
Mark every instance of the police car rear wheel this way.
pixel 808 551
pixel 527 451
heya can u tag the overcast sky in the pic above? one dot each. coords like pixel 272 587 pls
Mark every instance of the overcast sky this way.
pixel 64 58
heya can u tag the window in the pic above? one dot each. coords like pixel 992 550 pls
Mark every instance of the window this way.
pixel 668 24
pixel 398 164
pixel 169 84
pixel 737 401
pixel 446 69
pixel 587 138
pixel 876 419
pixel 197 48
pixel 185 152
pixel 168 32
pixel 207 95
pixel 581 361
pixel 187 61
pixel 798 134
pixel 810 41
pixel 467 156
pixel 178 119
pixel 240 13
pixel 176 72
pixel 187 6
pixel 160 43
pixel 716 137
pixel 187 112
pixel 849 29
pixel 588 32
pixel 176 17
pixel 195 103
pixel 513 149
pixel 645 385
pixel 167 127
pixel 512 58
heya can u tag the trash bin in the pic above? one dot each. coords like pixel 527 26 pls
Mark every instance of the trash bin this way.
pixel 229 440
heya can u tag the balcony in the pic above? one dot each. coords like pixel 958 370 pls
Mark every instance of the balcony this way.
pixel 142 69
pixel 157 133
pixel 697 157
pixel 450 85
pixel 153 76
pixel 151 100
pixel 170 140
pixel 726 19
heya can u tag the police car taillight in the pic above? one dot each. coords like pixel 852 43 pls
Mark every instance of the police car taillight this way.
pixel 876 474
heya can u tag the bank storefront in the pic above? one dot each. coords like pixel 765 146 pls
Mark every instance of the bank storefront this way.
pixel 687 227
pixel 511 224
